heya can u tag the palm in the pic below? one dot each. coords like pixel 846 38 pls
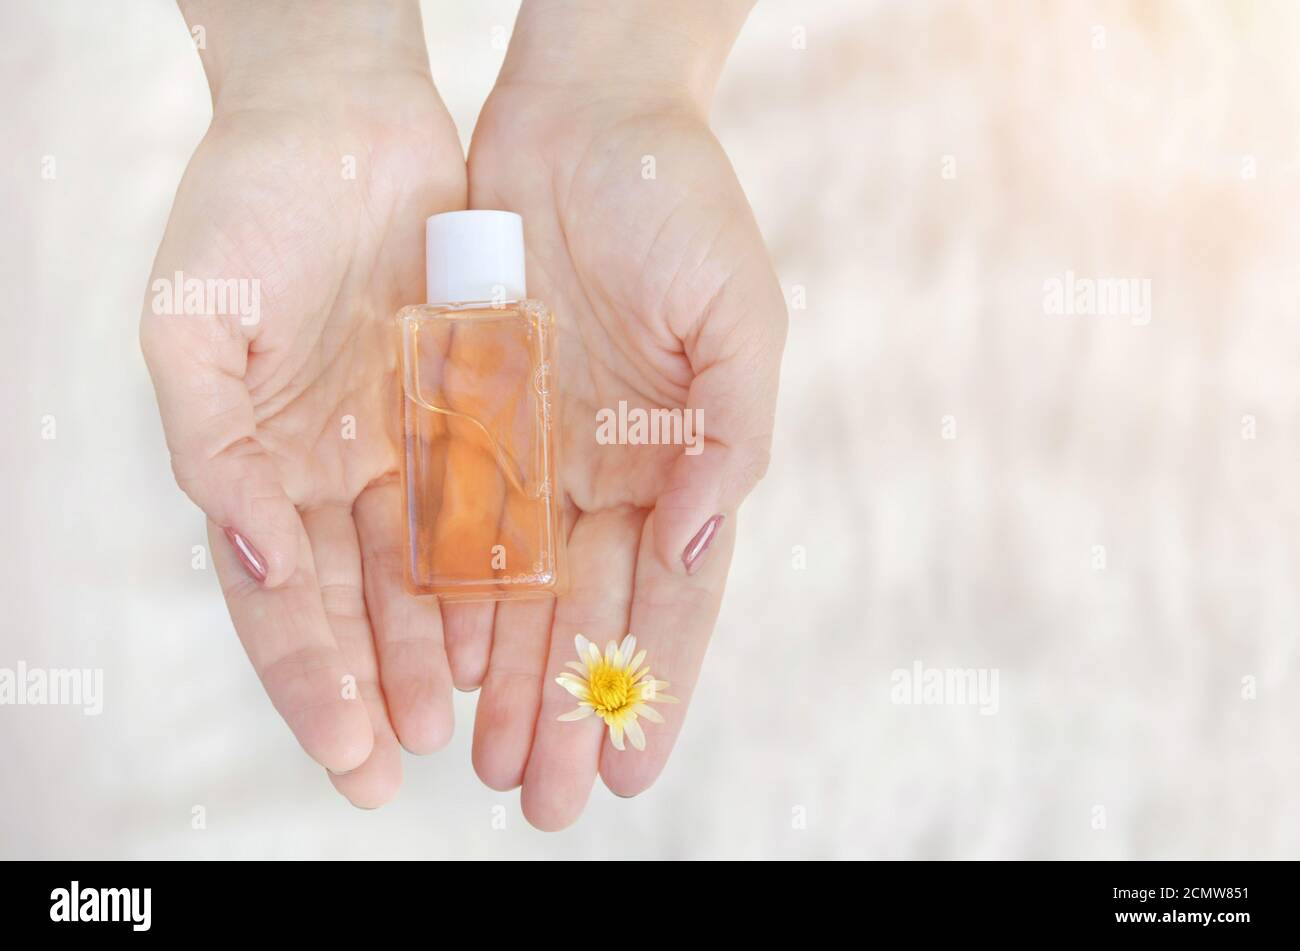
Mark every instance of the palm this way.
pixel 606 246
pixel 335 249
pixel 630 256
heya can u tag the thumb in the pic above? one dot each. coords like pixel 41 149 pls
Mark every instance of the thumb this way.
pixel 736 359
pixel 197 364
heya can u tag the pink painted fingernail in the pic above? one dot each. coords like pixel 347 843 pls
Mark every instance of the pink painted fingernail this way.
pixel 247 554
pixel 700 544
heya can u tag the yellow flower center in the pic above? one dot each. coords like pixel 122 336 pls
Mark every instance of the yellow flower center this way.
pixel 611 688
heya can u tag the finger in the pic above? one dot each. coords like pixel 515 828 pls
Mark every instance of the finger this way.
pixel 468 496
pixel 468 631
pixel 565 756
pixel 408 630
pixel 512 691
pixel 288 639
pixel 672 619
pixel 337 555
pixel 506 717
pixel 735 353
pixel 198 365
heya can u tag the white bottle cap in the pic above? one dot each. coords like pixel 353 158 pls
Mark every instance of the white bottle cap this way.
pixel 474 256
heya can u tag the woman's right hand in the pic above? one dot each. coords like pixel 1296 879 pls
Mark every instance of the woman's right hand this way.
pixel 328 148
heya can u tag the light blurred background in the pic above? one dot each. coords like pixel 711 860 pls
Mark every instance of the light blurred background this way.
pixel 919 170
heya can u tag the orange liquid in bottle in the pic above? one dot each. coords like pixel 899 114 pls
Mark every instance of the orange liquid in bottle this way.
pixel 479 470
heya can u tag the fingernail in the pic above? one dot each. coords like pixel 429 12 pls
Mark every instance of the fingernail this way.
pixel 700 544
pixel 247 554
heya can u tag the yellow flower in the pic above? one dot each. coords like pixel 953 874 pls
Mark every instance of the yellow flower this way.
pixel 615 687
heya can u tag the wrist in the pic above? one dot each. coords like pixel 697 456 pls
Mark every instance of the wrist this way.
pixel 670 50
pixel 258 54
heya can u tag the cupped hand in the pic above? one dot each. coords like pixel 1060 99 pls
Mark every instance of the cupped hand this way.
pixel 281 423
pixel 641 240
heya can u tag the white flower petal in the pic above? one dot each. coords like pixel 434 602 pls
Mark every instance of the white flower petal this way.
pixel 650 713
pixel 574 665
pixel 626 650
pixel 593 653
pixel 581 643
pixel 611 651
pixel 616 735
pixel 575 686
pixel 636 661
pixel 634 733
pixel 649 689
pixel 579 713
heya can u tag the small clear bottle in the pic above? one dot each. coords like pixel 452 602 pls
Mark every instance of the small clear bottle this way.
pixel 483 517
